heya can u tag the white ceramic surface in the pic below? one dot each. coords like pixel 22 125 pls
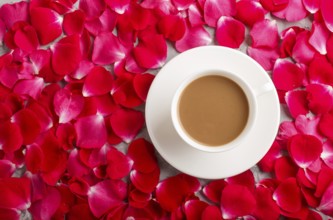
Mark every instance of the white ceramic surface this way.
pixel 211 165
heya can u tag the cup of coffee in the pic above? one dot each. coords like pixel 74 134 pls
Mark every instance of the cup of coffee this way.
pixel 214 110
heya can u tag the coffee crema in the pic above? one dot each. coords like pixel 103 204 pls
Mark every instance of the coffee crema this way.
pixel 213 110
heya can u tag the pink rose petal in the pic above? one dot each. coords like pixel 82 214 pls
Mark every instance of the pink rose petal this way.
pixel 28 123
pixel 67 105
pixel 312 6
pixel 142 153
pixel 126 123
pixel 66 55
pixel 325 125
pixel 287 75
pixel 308 125
pixel 9 76
pixel 284 168
pixel 274 5
pixel 11 13
pixel 194 37
pixel 320 97
pixel 29 87
pixel 74 22
pixel 297 102
pixel 145 182
pixel 266 206
pixel 214 9
pixel 319 37
pixel 230 32
pixel 213 190
pixel 97 82
pixel 171 197
pixel 172 27
pixel 194 209
pixel 294 11
pixel 264 56
pixel 266 164
pixel 288 195
pixel 249 12
pixel 232 196
pixel 259 32
pixel 320 70
pixel 85 66
pixel 118 6
pixel 305 149
pixel 182 4
pixel 47 24
pixel 107 49
pixel 106 195
pixel 119 165
pixel 105 22
pixel 88 128
pixel 288 37
pixel 326 202
pixel 302 51
pixel 195 15
pixel 141 84
pixel 326 9
pixel 74 165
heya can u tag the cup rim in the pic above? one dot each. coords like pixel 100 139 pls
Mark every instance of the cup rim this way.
pixel 251 98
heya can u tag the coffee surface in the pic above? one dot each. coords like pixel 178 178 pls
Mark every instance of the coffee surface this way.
pixel 213 110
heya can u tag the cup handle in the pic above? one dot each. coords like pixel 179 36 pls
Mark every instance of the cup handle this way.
pixel 263 89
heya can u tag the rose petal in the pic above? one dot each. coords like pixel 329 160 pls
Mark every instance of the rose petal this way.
pixel 142 153
pixel 259 32
pixel 325 124
pixel 214 9
pixel 288 195
pixel 265 57
pixel 266 164
pixel 326 8
pixel 66 55
pixel 329 48
pixel 126 123
pixel 287 75
pixel 195 15
pixel 12 214
pixel 308 125
pixel 249 12
pixel 327 154
pixel 26 38
pixel 145 182
pixel 11 13
pixel 320 97
pixel 194 209
pixel 212 212
pixel 172 27
pixel 320 70
pixel 9 75
pixel 105 22
pixel 105 104
pixel 325 177
pixel 98 82
pixel 305 149
pixel 119 165
pixel 67 105
pixel 7 168
pixel 80 211
pixel 182 4
pixel 171 197
pixel 326 202
pixel 213 190
pixel 107 49
pixel 30 87
pixel 284 168
pixel 232 196
pixel 118 6
pixel 312 6
pixel 246 179
pixel 266 206
pixel 92 8
pixel 74 165
pixel 319 36
pixel 88 128
pixel 16 193
pixel 274 5
pixel 297 102
pixel 230 32
pixel 47 24
pixel 2 31
pixel 74 22
pixel 138 199
pixel 302 51
pixel 288 37
pixel 294 11
pixel 106 195
pixel 141 84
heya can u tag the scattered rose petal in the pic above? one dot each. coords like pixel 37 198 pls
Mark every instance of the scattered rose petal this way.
pixel 74 165
pixel 259 32
pixel 194 209
pixel 26 38
pixel 326 8
pixel 126 123
pixel 326 203
pixel 319 37
pixel 92 10
pixel 182 4
pixel 320 70
pixel 214 9
pixel 249 12
pixel 329 48
pixel 274 5
pixel 284 168
pixel 265 57
pixel 80 211
pixel 288 37
pixel 308 125
pixel 141 84
pixel 74 22
pixel 246 179
pixel 11 13
pixel 325 124
pixel 230 32
pixel 302 51
pixel 213 190
pixel 232 196
pixel 266 206
pixel 88 128
pixel 2 31
pixel 320 97
pixel 97 82
pixel 145 182
pixel 212 212
pixel 325 177
pixel 29 87
pixel 266 164
pixel 172 27
pixel 12 214
pixel 118 6
pixel 138 199
pixel 7 168
pixel 312 6
pixel 119 165
pixel 294 11
pixel 297 102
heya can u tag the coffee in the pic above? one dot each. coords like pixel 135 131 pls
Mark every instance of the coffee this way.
pixel 213 110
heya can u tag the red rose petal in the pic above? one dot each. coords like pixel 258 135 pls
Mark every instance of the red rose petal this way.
pixel 105 22
pixel 107 49
pixel 118 6
pixel 16 193
pixel 259 31
pixel 74 165
pixel 29 125
pixel 141 84
pixel 106 195
pixel 74 22
pixel 182 4
pixel 195 15
pixel 138 199
pixel 105 104
pixel 80 211
pixel 232 196
pixel 320 70
pixel 213 190
pixel 7 168
pixel 145 182
pixel 329 48
pixel 126 123
pixel 327 154
pixel 2 31
pixel 297 102
pixel 326 8
pixel 312 6
pixel 288 37
pixel 246 179
pixel 29 87
pixel 172 27
pixel 302 51
pixel 230 32
pixel 26 38
pixel 142 153
pixel 85 66
pixel 33 158
pixel 171 197
pixel 294 11
pixel 284 168
pixel 308 125
pixel 325 177
pixel 92 8
pixel 274 5
pixel 194 37
pixel 66 55
pixel 212 212
pixel 288 195
pixel 266 206
pixel 319 37
pixel 11 13
pixel 305 149
pixel 326 202
pixel 264 56
pixel 47 24
pixel 98 82
pixel 12 214
pixel 320 97
pixel 119 165
pixel 67 105
pixel 266 164
pixel 194 209
pixel 88 128
pixel 287 75
pixel 214 9
pixel 325 124
pixel 249 12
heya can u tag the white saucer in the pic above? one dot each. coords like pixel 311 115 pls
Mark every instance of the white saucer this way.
pixel 192 161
